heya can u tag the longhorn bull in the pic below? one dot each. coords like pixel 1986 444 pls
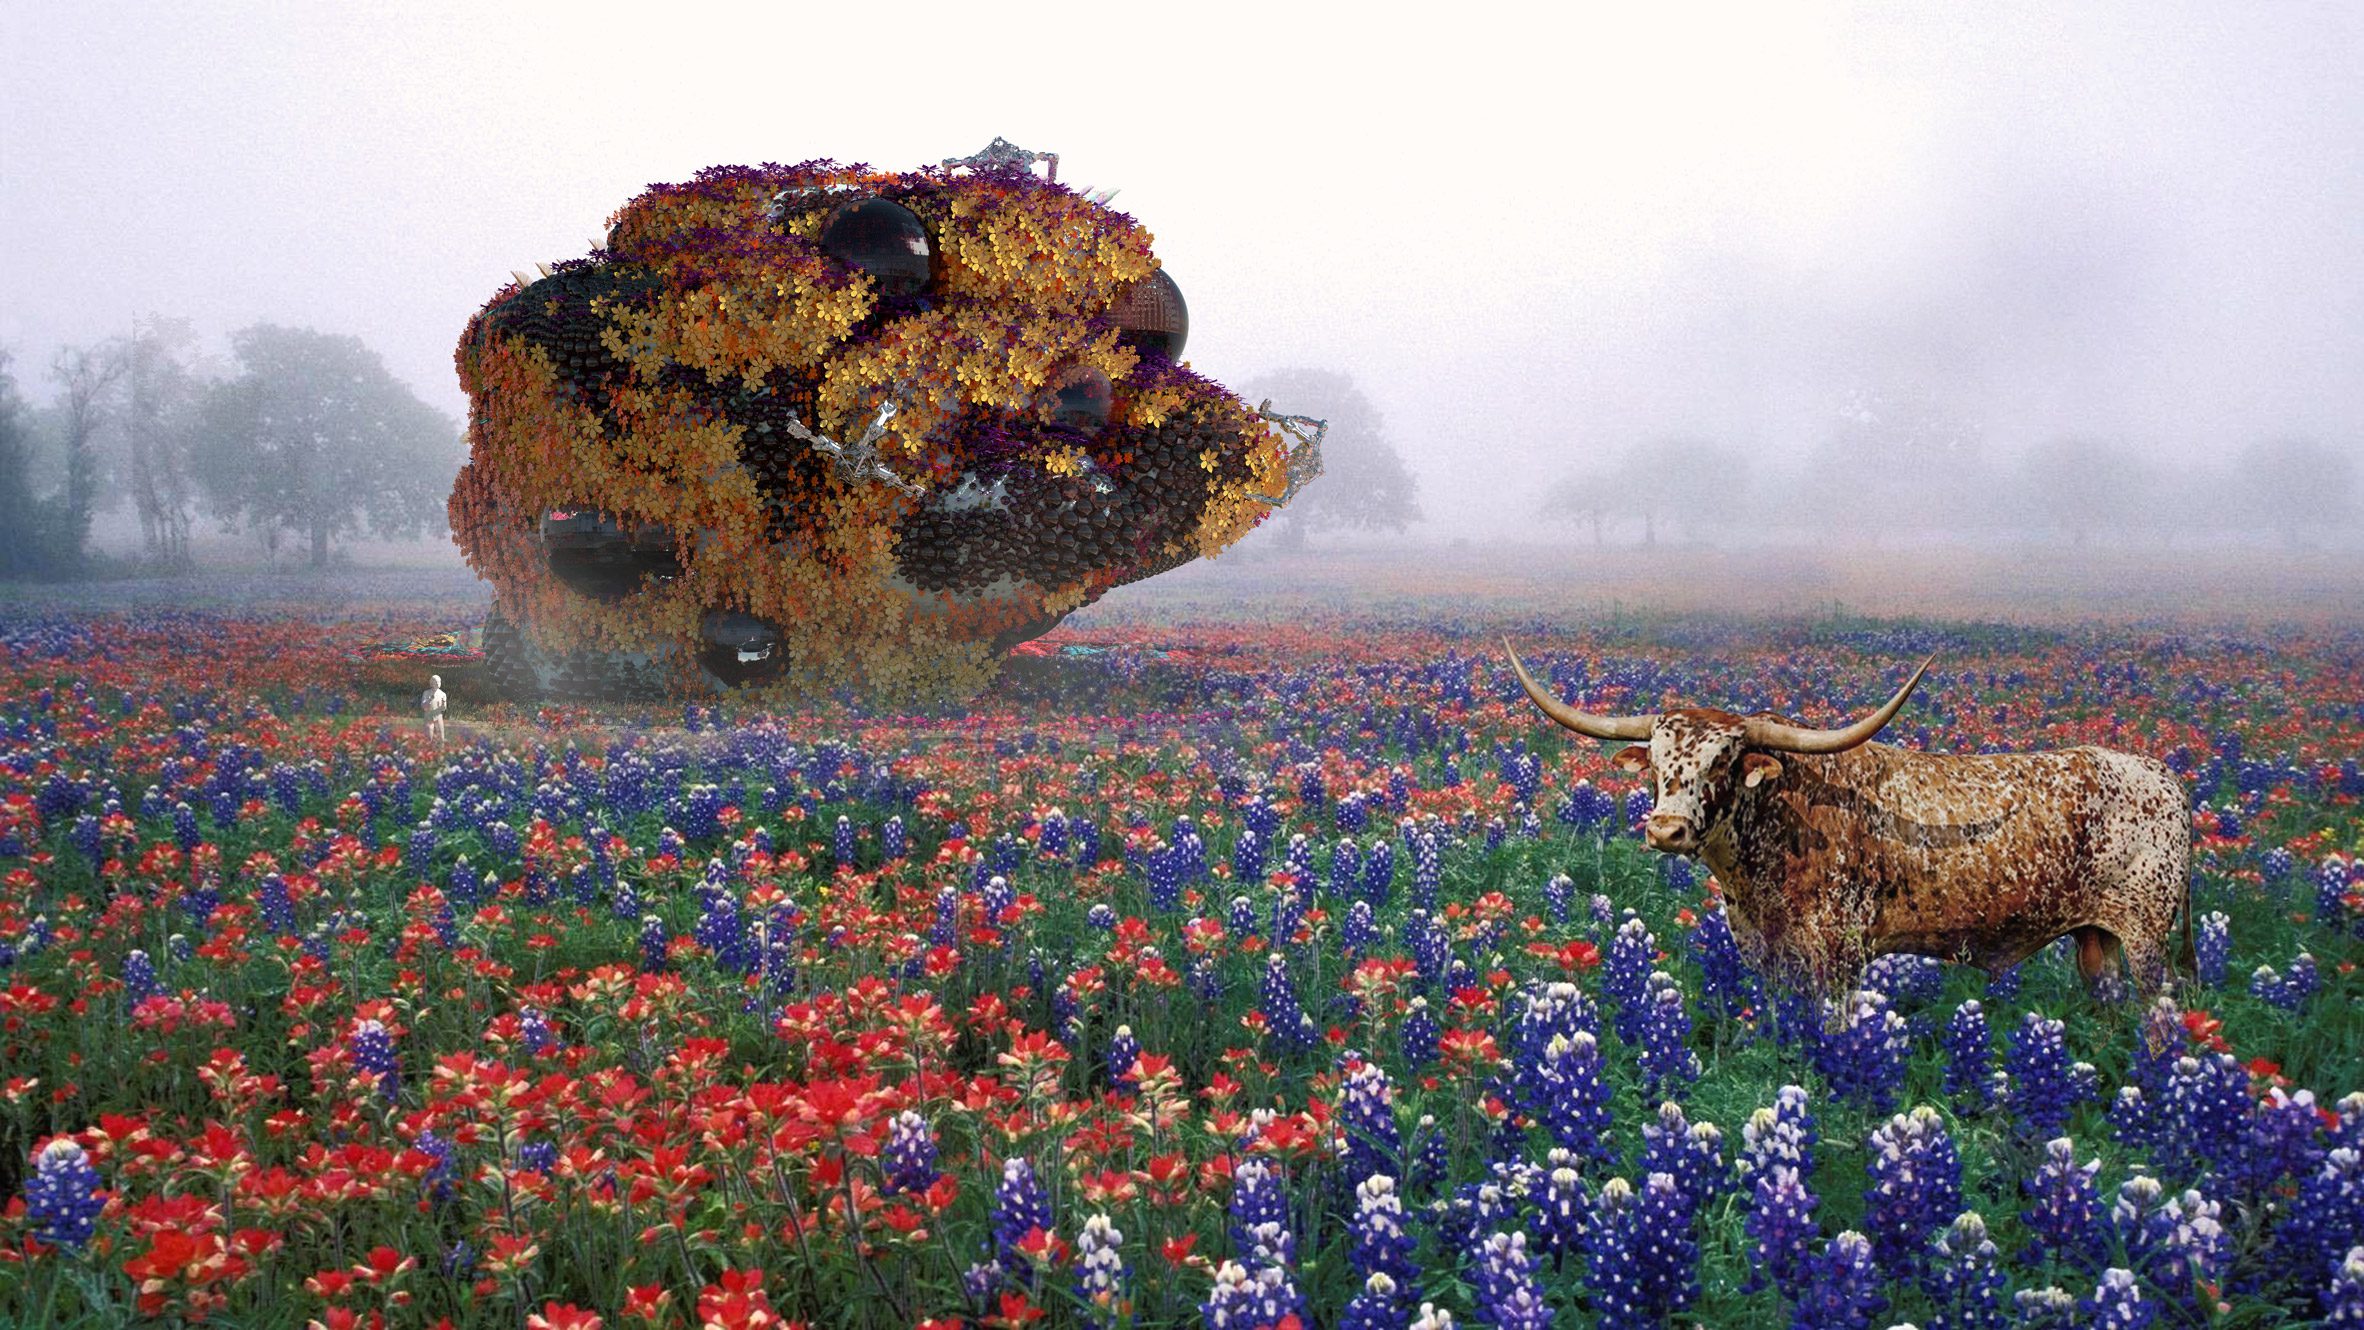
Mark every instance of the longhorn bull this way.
pixel 1833 849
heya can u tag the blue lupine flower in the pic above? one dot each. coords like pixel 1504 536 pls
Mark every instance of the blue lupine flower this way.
pixel 1100 1270
pixel 1291 1028
pixel 1373 1145
pixel 1626 975
pixel 2212 946
pixel 1965 1278
pixel 2343 1298
pixel 1380 1304
pixel 1243 1301
pixel 1916 1181
pixel 2333 882
pixel 1864 1058
pixel 1382 1244
pixel 909 1157
pixel 1562 1209
pixel 653 943
pixel 139 978
pixel 1020 1207
pixel 893 841
pixel 63 1198
pixel 1781 1224
pixel 2064 1208
pixel 372 1050
pixel 1507 1295
pixel 1124 1052
pixel 2042 1092
pixel 2326 1217
pixel 1726 985
pixel 1260 1203
pixel 2284 1141
pixel 1572 1096
pixel 1841 1289
pixel 1559 896
pixel 1969 1055
pixel 2201 1115
pixel 1782 1135
pixel 534 1027
pixel 1644 1256
pixel 2117 1303
pixel 2046 1308
pixel 1692 1153
pixel 2176 1242
pixel 1637 809
pixel 1668 1064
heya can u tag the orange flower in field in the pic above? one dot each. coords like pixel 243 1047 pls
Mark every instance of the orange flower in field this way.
pixel 1468 1050
pixel 647 1302
pixel 737 1303
pixel 563 1316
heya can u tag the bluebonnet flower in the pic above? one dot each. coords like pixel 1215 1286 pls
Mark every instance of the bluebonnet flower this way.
pixel 2212 946
pixel 139 978
pixel 1602 910
pixel 1371 1143
pixel 1965 1278
pixel 1359 935
pixel 1380 1304
pixel 1431 1157
pixel 1100 1270
pixel 2047 1308
pixel 1382 1244
pixel 1507 1295
pixel 1626 976
pixel 2326 1217
pixel 1864 1058
pixel 1247 856
pixel 1969 1055
pixel 534 1027
pixel 1259 1203
pixel 909 1157
pixel 1637 809
pixel 538 1156
pixel 2064 1208
pixel 2332 885
pixel 63 1198
pixel 437 1181
pixel 1916 1181
pixel 1020 1207
pixel 1781 1225
pixel 2201 1114
pixel 1291 1028
pixel 2291 991
pixel 1726 985
pixel 2343 1298
pixel 2042 1092
pixel 1562 1208
pixel 1841 1288
pixel 2117 1303
pixel 1124 1051
pixel 1668 1064
pixel 1692 1153
pixel 1572 1096
pixel 1379 873
pixel 1643 1255
pixel 1782 1135
pixel 372 1050
pixel 893 841
pixel 1559 897
pixel 2177 1242
pixel 1243 1301
pixel 2284 1141
pixel 1241 922
pixel 653 943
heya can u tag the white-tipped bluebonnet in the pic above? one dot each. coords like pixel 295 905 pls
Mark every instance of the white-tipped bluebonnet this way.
pixel 1626 975
pixel 2042 1092
pixel 63 1197
pixel 2201 1116
pixel 372 1050
pixel 2343 1297
pixel 1965 1278
pixel 1100 1270
pixel 1559 897
pixel 1727 987
pixel 1020 1206
pixel 1124 1053
pixel 2212 946
pixel 1260 1214
pixel 1241 1300
pixel 139 978
pixel 2063 1217
pixel 1382 1243
pixel 1864 1057
pixel 1370 1141
pixel 2177 1242
pixel 1379 1306
pixel 2117 1303
pixel 1507 1294
pixel 1969 1055
pixel 909 1156
pixel 1563 1206
pixel 1782 1135
pixel 1841 1288
pixel 653 943
pixel 2284 1140
pixel 2288 991
pixel 1668 1064
pixel 2048 1308
pixel 1291 1028
pixel 1644 1257
pixel 1420 1034
pixel 2325 1218
pixel 1692 1153
pixel 1781 1226
pixel 1915 1183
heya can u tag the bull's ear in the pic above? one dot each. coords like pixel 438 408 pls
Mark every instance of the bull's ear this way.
pixel 1635 758
pixel 1757 768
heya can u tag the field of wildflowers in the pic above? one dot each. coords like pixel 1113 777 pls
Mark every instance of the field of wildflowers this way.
pixel 1303 974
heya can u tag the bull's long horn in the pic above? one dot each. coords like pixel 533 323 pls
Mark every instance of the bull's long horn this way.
pixel 1584 723
pixel 1793 739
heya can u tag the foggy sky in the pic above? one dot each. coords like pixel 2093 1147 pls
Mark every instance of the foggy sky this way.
pixel 1533 238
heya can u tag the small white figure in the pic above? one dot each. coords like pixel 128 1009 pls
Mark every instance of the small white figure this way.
pixel 434 704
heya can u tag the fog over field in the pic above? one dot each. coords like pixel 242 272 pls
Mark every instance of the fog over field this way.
pixel 2083 276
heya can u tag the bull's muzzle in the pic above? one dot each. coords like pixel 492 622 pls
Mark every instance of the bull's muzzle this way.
pixel 1670 832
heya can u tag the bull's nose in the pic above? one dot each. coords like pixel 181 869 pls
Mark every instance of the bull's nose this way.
pixel 1666 831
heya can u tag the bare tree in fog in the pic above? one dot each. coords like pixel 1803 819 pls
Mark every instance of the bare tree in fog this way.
pixel 88 379
pixel 1896 459
pixel 2081 486
pixel 2297 488
pixel 1589 496
pixel 161 391
pixel 1364 485
pixel 20 519
pixel 315 436
pixel 1691 481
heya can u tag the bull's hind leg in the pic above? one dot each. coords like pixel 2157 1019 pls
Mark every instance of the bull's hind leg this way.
pixel 2093 953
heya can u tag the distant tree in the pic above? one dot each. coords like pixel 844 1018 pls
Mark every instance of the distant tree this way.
pixel 21 521
pixel 87 380
pixel 1364 485
pixel 2081 486
pixel 315 436
pixel 1692 481
pixel 1589 496
pixel 1896 459
pixel 160 395
pixel 2297 488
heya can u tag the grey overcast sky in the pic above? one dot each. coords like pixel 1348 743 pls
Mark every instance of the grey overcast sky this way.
pixel 1533 233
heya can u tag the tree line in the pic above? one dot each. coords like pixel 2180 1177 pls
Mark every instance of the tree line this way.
pixel 306 435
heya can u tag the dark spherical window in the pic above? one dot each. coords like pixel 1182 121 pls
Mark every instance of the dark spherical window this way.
pixel 1080 397
pixel 604 558
pixel 1151 317
pixel 882 238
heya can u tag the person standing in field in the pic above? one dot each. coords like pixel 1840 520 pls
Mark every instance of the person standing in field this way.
pixel 434 704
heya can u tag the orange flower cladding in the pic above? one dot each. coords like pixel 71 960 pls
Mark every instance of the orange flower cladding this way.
pixel 899 419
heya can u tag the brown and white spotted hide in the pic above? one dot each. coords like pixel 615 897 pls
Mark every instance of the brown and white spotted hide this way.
pixel 1830 860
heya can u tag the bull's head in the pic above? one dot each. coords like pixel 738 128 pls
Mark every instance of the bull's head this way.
pixel 1704 758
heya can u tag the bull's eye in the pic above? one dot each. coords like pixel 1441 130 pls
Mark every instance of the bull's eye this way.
pixel 1081 396
pixel 882 238
pixel 1151 317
